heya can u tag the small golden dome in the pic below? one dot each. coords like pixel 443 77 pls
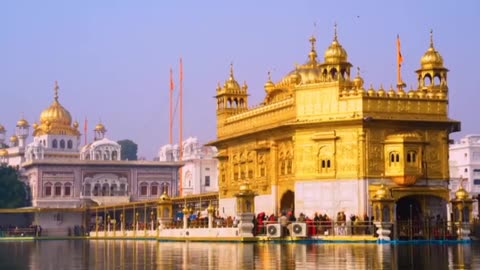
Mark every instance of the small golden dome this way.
pixel 56 113
pixel 401 93
pixel 164 197
pixel 432 58
pixel 381 91
pixel 14 139
pixel 269 86
pixel 3 152
pixel 335 53
pixel 100 127
pixel 382 193
pixel 2 129
pixel 412 93
pixel 75 124
pixel 22 123
pixel 358 81
pixel 231 84
pixel 371 91
pixel 35 125
pixel 461 194
pixel 391 92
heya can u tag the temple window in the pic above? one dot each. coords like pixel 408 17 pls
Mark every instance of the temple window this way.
pixel 58 189
pixel 48 189
pixel 54 143
pixel 207 180
pixel 67 189
pixel 62 144
pixel 154 189
pixel 289 166
pixel 114 155
pixel 69 144
pixel 143 189
pixel 394 158
pixel 412 157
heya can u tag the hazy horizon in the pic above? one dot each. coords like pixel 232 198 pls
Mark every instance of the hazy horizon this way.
pixel 112 58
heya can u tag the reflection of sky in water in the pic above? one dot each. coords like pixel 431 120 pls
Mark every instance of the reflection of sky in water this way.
pixel 128 254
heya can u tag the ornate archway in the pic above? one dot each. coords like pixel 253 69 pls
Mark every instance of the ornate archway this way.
pixel 287 202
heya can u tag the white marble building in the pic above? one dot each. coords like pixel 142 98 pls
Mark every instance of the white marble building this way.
pixel 61 175
pixel 200 169
pixel 464 164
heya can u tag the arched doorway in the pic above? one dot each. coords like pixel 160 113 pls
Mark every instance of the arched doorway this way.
pixel 409 208
pixel 421 217
pixel 287 203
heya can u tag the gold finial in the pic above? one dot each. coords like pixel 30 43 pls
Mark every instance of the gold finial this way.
pixel 358 71
pixel 56 91
pixel 431 38
pixel 335 37
pixel 269 76
pixel 231 71
pixel 312 41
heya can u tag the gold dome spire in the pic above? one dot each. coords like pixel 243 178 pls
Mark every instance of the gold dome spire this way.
pixel 335 53
pixel 432 58
pixel 231 83
pixel 269 86
pixel 56 113
pixel 100 128
pixel 312 56
pixel 358 81
pixel 55 119
pixel 23 123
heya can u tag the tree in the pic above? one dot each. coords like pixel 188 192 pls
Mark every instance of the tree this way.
pixel 129 150
pixel 13 192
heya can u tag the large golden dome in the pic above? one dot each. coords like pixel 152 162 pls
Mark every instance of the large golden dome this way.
pixel 432 58
pixel 56 113
pixel 56 120
pixel 335 53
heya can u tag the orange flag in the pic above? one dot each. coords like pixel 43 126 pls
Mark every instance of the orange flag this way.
pixel 400 57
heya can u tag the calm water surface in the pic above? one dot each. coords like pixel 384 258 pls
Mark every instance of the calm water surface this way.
pixel 127 254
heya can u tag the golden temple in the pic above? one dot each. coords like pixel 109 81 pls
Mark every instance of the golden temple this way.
pixel 322 142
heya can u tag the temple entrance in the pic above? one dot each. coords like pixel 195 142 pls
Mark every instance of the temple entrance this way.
pixel 408 208
pixel 422 217
pixel 287 203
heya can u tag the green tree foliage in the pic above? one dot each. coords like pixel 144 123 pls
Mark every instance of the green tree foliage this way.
pixel 129 150
pixel 13 193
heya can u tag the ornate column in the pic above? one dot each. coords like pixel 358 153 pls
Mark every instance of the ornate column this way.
pixel 383 211
pixel 165 211
pixel 462 207
pixel 245 210
pixel 211 211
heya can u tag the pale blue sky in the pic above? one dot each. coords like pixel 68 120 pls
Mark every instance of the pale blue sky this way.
pixel 112 58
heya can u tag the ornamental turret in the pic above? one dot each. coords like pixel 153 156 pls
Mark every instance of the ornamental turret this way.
pixel 22 130
pixel 336 66
pixel 100 131
pixel 432 75
pixel 231 98
pixel 2 135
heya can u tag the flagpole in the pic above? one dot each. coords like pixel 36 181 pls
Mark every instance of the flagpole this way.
pixel 181 123
pixel 171 106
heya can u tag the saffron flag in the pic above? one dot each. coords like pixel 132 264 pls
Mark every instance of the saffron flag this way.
pixel 172 86
pixel 399 56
